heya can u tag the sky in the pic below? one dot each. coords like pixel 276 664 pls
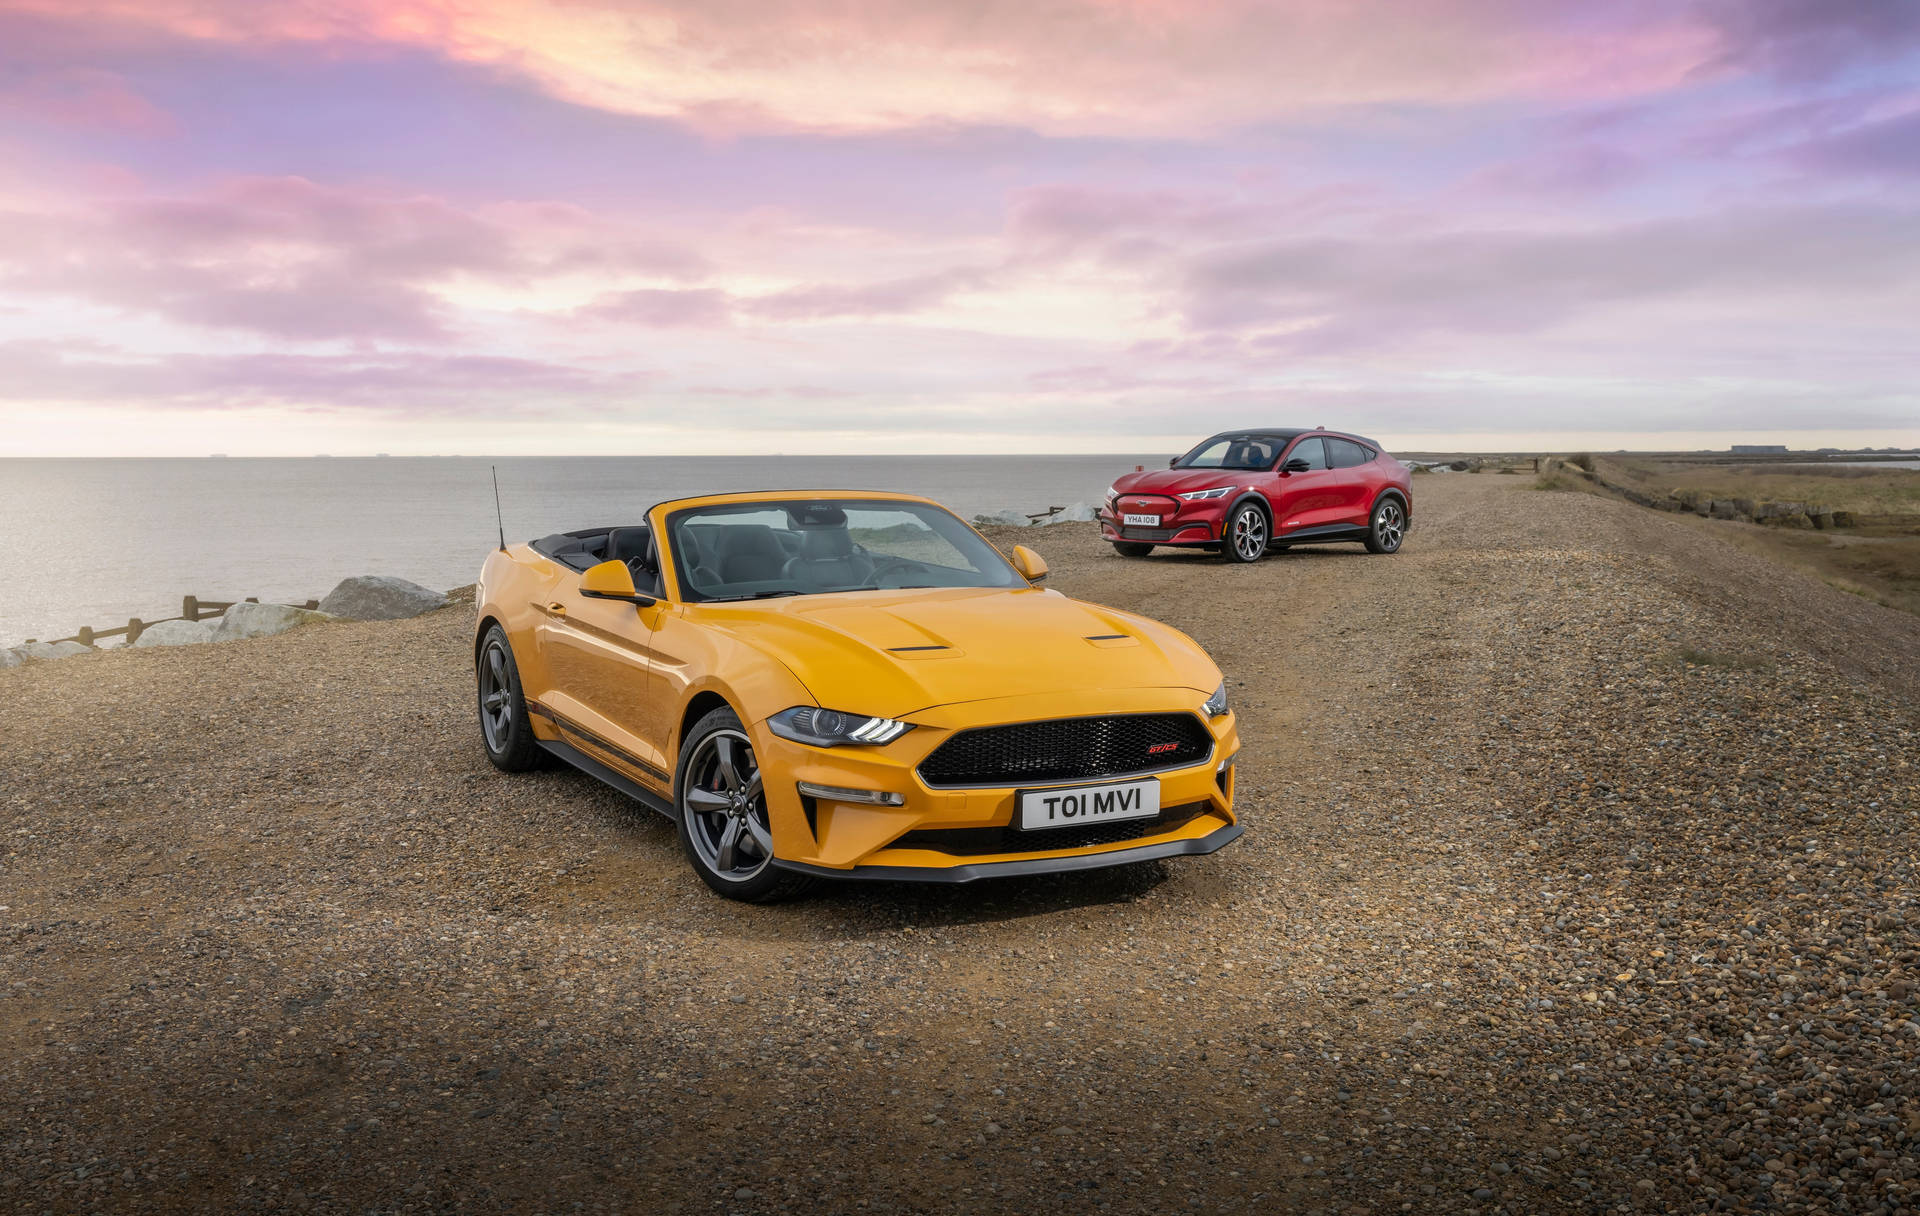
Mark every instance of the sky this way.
pixel 741 226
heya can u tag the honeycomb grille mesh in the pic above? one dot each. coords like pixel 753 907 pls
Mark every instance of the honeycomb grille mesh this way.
pixel 1067 749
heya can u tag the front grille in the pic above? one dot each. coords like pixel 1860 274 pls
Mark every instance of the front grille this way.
pixel 977 842
pixel 1147 533
pixel 1067 749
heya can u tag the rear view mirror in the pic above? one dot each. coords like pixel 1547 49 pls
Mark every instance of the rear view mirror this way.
pixel 612 581
pixel 1298 465
pixel 1031 565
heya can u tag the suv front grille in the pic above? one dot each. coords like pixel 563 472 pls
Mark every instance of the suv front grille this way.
pixel 1067 749
pixel 1146 533
pixel 976 842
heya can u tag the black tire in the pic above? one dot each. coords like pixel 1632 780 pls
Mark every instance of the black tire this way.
pixel 1388 527
pixel 506 730
pixel 1246 535
pixel 723 826
pixel 1131 548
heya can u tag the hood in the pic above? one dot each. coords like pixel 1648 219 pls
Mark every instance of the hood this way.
pixel 891 653
pixel 1173 481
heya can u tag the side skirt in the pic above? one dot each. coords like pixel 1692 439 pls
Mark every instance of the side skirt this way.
pixel 593 768
pixel 1325 534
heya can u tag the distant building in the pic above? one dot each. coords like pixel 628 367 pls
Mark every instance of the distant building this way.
pixel 1759 449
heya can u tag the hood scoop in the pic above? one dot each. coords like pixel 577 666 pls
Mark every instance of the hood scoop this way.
pixel 1111 640
pixel 924 652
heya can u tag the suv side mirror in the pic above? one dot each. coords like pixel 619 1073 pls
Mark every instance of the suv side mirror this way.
pixel 1172 460
pixel 1031 565
pixel 611 580
pixel 1298 464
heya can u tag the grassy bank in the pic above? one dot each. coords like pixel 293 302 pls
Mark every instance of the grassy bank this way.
pixel 1876 556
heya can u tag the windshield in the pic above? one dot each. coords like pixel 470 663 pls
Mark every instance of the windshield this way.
pixel 1234 452
pixel 737 551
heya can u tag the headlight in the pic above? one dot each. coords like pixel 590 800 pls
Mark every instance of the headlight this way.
pixel 1217 703
pixel 1113 492
pixel 1216 492
pixel 831 728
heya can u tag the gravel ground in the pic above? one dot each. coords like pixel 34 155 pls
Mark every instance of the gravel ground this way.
pixel 1579 875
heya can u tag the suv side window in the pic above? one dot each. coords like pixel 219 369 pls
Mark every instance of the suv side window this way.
pixel 1312 451
pixel 1347 455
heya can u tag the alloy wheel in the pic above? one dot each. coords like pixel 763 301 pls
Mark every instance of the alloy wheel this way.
pixel 496 698
pixel 1249 533
pixel 725 807
pixel 1390 524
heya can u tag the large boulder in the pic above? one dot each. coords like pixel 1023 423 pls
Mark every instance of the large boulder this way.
pixel 262 620
pixel 40 652
pixel 10 658
pixel 997 519
pixel 380 597
pixel 175 633
pixel 1078 513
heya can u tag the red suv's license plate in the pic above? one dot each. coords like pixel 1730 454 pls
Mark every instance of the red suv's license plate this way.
pixel 1141 521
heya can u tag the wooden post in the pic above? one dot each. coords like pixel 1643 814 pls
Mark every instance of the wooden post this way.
pixel 85 636
pixel 190 607
pixel 134 630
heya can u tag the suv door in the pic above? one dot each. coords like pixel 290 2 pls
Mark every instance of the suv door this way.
pixel 1350 485
pixel 1300 496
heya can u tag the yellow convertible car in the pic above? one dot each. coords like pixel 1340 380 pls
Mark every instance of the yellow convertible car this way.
pixel 851 685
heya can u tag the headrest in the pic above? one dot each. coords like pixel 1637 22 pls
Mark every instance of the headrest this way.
pixel 754 540
pixel 626 544
pixel 821 544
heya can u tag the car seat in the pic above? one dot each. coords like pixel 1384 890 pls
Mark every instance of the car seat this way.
pixel 754 555
pixel 828 559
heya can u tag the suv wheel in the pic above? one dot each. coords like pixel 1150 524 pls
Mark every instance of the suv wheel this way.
pixel 1246 537
pixel 1388 528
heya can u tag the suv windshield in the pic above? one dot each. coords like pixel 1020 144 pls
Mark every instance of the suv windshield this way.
pixel 1234 452
pixel 738 551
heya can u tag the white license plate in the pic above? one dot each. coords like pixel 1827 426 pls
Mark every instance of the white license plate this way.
pixel 1088 804
pixel 1143 521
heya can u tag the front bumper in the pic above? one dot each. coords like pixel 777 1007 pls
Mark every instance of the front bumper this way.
pixel 818 835
pixel 973 871
pixel 1200 522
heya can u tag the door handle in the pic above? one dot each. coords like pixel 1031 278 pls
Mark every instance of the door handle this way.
pixel 557 609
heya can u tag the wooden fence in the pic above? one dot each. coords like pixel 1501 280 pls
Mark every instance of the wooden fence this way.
pixel 192 608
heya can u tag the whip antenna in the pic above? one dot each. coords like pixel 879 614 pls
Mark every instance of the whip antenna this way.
pixel 498 519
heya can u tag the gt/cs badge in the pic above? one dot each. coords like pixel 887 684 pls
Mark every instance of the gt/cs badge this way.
pixel 1157 748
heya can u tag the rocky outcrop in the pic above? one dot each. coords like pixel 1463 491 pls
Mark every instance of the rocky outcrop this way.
pixel 998 519
pixel 175 633
pixel 10 658
pixel 262 620
pixel 40 652
pixel 380 597
pixel 1078 513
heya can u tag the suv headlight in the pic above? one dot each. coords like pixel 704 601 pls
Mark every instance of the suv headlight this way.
pixel 1216 492
pixel 1217 703
pixel 1113 492
pixel 831 728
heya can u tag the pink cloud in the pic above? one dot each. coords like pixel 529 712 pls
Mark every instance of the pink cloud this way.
pixel 84 98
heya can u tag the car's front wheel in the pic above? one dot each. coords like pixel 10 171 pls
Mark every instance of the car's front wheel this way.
pixel 505 728
pixel 1246 536
pixel 722 804
pixel 1129 548
pixel 1388 526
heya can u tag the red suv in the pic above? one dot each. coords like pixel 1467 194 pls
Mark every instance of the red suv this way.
pixel 1243 492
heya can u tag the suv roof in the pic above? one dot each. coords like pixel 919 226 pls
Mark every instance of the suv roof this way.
pixel 1287 434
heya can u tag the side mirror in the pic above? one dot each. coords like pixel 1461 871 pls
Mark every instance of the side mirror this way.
pixel 1297 465
pixel 1172 460
pixel 612 581
pixel 1031 565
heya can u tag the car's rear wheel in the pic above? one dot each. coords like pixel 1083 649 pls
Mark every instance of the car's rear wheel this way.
pixel 1389 526
pixel 505 728
pixel 1246 536
pixel 722 804
pixel 1129 548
